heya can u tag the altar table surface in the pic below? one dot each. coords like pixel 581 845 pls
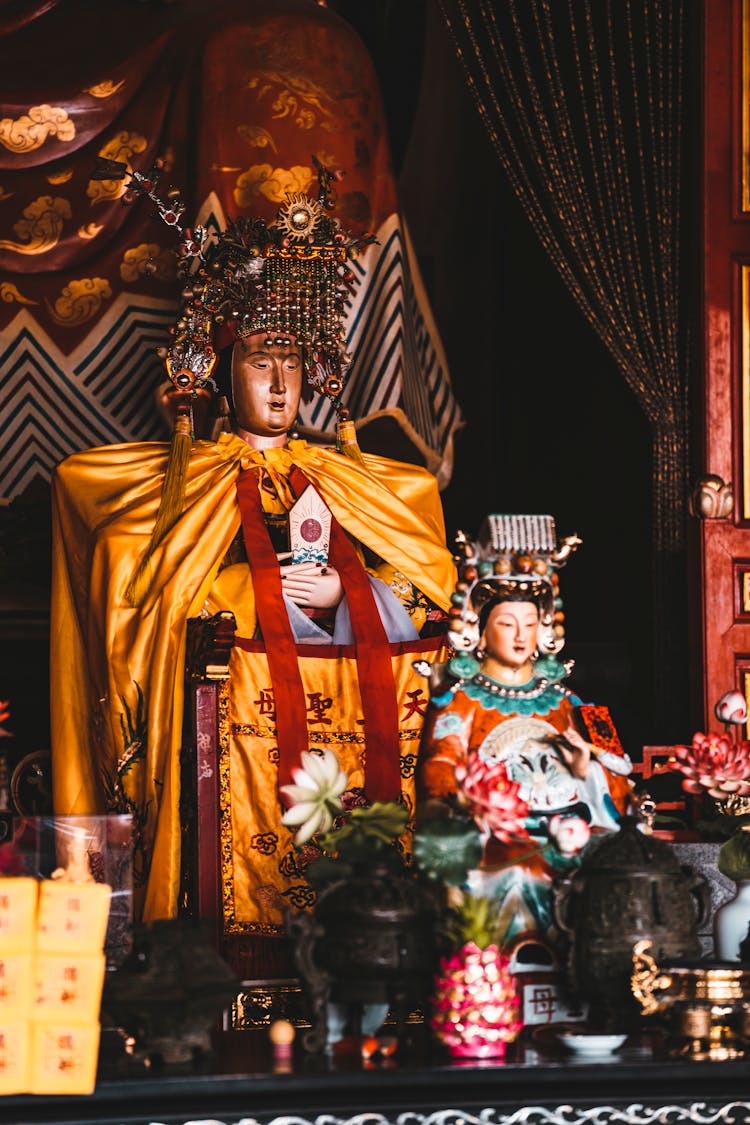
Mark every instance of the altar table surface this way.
pixel 533 1086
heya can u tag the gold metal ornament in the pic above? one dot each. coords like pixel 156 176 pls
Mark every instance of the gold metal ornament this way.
pixel 299 216
pixel 647 979
pixel 707 1005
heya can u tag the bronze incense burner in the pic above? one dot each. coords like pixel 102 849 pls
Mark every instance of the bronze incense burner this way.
pixel 707 1003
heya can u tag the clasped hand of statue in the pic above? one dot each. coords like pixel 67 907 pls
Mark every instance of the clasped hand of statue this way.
pixel 310 584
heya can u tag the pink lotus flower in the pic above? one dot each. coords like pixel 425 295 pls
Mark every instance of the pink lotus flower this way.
pixel 731 708
pixel 493 798
pixel 714 765
pixel 569 833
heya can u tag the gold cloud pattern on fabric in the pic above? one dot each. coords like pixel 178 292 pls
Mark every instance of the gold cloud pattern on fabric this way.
pixel 256 136
pixel 273 183
pixel 304 101
pixel 41 226
pixel 135 263
pixel 61 177
pixel 32 129
pixel 104 89
pixel 122 147
pixel 80 301
pixel 286 105
pixel 10 293
pixel 91 230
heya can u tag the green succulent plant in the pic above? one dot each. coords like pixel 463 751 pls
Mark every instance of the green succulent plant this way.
pixel 474 919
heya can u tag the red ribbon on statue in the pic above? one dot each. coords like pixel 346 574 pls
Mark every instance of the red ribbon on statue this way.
pixel 281 651
pixel 372 648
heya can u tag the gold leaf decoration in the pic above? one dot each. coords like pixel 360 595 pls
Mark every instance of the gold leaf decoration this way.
pixel 273 183
pixel 60 177
pixel 41 226
pixel 10 293
pixel 104 89
pixel 135 263
pixel 32 129
pixel 256 136
pixel 80 301
pixel 90 230
pixel 122 147
pixel 5 195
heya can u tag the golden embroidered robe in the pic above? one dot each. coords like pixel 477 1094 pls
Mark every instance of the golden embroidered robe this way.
pixel 117 671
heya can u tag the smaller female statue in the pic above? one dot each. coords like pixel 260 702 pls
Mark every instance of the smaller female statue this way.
pixel 502 699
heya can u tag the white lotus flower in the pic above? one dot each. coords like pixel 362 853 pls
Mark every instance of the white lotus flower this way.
pixel 315 797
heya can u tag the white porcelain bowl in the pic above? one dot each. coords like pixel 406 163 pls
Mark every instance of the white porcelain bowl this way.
pixel 590 1045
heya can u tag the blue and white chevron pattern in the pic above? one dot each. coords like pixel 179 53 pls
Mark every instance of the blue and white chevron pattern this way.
pixel 54 404
pixel 398 358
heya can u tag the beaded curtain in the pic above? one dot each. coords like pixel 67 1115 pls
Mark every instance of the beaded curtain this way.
pixel 583 103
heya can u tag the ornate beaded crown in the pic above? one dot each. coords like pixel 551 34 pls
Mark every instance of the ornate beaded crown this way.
pixel 516 557
pixel 287 278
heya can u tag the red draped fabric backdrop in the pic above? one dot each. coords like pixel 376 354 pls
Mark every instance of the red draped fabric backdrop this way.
pixel 237 99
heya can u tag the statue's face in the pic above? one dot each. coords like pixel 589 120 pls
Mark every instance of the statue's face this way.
pixel 510 635
pixel 266 384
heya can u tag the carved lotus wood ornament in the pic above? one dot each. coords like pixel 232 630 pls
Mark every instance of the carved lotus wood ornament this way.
pixel 712 498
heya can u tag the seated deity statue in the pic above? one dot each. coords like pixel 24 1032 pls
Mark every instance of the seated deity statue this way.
pixel 333 563
pixel 502 698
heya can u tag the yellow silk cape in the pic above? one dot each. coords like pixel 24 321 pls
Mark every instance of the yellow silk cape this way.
pixel 105 653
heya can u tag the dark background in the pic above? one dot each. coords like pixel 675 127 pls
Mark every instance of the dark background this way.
pixel 550 425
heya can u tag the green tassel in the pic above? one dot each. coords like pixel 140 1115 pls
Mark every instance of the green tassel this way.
pixel 170 505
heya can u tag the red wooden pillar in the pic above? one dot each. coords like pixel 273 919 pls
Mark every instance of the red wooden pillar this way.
pixel 725 541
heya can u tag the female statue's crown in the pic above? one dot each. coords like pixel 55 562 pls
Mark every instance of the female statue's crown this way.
pixel 516 558
pixel 290 277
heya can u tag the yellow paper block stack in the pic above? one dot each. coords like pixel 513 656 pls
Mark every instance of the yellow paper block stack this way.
pixel 51 977
pixel 18 908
